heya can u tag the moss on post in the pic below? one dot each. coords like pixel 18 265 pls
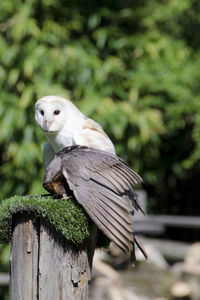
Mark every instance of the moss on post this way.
pixel 66 215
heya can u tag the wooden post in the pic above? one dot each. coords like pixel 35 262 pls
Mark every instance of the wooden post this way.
pixel 44 266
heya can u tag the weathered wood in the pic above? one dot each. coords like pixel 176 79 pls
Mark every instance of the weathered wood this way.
pixel 156 224
pixel 24 261
pixel 44 266
pixel 167 220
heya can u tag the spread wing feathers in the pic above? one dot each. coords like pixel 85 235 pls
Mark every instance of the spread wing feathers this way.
pixel 86 156
pixel 110 166
pixel 100 182
pixel 103 167
pixel 113 219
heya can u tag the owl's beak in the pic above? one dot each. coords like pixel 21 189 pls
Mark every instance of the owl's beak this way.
pixel 47 125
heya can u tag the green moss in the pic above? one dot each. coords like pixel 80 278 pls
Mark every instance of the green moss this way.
pixel 66 216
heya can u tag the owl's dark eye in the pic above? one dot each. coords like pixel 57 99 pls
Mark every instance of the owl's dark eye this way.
pixel 42 112
pixel 56 112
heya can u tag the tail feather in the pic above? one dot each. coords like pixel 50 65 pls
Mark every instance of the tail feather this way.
pixel 140 246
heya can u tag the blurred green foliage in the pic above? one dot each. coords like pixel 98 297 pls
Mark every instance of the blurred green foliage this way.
pixel 133 66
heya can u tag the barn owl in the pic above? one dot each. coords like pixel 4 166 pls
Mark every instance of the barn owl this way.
pixel 64 125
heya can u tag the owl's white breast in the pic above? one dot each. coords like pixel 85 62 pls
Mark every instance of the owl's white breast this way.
pixel 64 137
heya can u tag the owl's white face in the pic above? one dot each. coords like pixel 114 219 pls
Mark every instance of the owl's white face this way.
pixel 50 116
pixel 52 113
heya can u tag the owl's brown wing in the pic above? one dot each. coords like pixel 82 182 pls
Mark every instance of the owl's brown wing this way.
pixel 100 182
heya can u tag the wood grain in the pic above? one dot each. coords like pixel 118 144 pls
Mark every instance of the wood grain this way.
pixel 24 261
pixel 44 266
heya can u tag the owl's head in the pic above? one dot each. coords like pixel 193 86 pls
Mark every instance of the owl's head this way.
pixel 53 112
